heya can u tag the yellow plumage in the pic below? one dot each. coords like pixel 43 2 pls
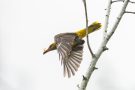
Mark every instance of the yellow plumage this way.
pixel 93 27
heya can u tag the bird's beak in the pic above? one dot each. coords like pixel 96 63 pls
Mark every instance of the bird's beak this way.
pixel 45 51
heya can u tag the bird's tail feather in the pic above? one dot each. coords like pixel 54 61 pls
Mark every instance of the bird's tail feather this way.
pixel 91 28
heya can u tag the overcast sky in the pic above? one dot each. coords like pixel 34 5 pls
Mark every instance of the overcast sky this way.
pixel 29 26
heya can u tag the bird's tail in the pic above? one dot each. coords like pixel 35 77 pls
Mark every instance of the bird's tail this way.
pixel 91 28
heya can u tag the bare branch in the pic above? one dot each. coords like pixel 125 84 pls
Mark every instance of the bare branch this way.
pixel 117 1
pixel 132 2
pixel 91 67
pixel 122 1
pixel 87 36
pixel 108 9
pixel 118 19
pixel 129 12
pixel 105 48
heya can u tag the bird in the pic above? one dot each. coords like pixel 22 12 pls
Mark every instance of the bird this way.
pixel 70 48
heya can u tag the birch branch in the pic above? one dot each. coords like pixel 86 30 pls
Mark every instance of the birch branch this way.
pixel 122 1
pixel 129 12
pixel 87 36
pixel 132 2
pixel 118 19
pixel 101 49
pixel 108 9
pixel 117 1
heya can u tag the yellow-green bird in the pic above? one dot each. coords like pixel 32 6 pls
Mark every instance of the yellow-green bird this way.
pixel 70 48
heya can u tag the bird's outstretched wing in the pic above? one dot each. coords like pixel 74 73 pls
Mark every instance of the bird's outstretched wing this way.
pixel 70 55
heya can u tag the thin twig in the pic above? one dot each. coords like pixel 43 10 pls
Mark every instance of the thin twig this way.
pixel 122 1
pixel 118 19
pixel 129 12
pixel 117 1
pixel 91 67
pixel 132 2
pixel 107 18
pixel 87 36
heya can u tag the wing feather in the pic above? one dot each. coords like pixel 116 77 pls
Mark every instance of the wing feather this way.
pixel 73 65
pixel 68 69
pixel 70 56
pixel 71 68
pixel 65 69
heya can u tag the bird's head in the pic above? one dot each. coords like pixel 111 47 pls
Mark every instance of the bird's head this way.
pixel 50 48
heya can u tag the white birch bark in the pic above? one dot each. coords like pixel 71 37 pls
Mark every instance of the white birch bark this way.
pixel 102 47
